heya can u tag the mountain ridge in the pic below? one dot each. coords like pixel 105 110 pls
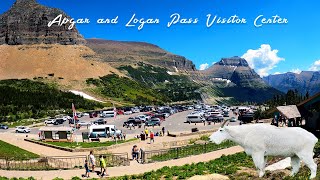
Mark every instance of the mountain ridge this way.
pixel 38 52
pixel 306 81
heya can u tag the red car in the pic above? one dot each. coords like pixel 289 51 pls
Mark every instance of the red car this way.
pixel 93 115
pixel 120 112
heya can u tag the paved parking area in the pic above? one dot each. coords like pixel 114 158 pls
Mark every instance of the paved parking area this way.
pixel 175 124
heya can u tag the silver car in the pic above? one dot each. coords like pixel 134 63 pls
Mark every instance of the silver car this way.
pixel 22 129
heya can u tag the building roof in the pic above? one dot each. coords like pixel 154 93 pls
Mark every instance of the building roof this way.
pixel 52 128
pixel 312 98
pixel 290 111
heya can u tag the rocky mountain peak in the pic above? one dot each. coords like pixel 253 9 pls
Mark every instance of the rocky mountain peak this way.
pixel 27 23
pixel 25 2
pixel 233 61
pixel 236 70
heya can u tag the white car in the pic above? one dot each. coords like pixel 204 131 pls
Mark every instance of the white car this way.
pixel 22 129
pixel 143 118
pixel 136 110
pixel 66 118
pixel 127 112
pixel 82 123
pixel 166 115
pixel 50 121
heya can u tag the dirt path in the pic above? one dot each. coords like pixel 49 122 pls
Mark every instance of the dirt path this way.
pixel 134 167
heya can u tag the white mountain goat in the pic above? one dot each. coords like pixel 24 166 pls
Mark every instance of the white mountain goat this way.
pixel 261 140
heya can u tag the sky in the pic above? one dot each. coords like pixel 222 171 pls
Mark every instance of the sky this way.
pixel 269 49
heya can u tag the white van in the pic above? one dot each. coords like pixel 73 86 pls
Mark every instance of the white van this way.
pixel 195 118
pixel 104 130
pixel 105 114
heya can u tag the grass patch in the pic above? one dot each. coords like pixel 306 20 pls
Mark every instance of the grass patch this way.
pixel 14 152
pixel 74 145
pixel 190 150
pixel 225 165
pixel 25 122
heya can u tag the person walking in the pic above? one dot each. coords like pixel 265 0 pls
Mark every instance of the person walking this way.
pixel 151 137
pixel 146 132
pixel 86 167
pixel 163 131
pixel 124 136
pixel 92 160
pixel 103 166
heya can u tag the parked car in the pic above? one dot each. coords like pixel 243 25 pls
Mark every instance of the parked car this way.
pixel 166 115
pixel 50 121
pixel 214 118
pixel 132 121
pixel 144 118
pixel 100 122
pixel 82 123
pixel 160 116
pixel 127 111
pixel 59 121
pixel 80 115
pixel 120 112
pixel 2 126
pixel 65 118
pixel 195 117
pixel 71 121
pixel 22 129
pixel 93 114
pixel 153 122
pixel 136 110
pixel 233 119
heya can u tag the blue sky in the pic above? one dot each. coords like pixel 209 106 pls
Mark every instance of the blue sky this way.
pixel 275 48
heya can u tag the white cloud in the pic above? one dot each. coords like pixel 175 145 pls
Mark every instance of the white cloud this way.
pixel 262 59
pixel 315 66
pixel 277 73
pixel 297 71
pixel 204 66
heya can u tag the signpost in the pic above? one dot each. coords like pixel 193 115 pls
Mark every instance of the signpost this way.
pixel 74 114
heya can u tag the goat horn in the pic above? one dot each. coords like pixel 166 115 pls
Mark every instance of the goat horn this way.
pixel 224 122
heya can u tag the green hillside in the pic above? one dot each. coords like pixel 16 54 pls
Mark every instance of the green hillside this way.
pixel 22 99
pixel 126 90
pixel 175 87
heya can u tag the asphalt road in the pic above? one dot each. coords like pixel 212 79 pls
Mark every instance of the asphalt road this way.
pixel 175 123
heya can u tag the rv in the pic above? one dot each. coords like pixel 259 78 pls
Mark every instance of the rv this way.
pixel 104 130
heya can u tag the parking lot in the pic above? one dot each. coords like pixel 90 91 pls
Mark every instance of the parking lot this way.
pixel 175 124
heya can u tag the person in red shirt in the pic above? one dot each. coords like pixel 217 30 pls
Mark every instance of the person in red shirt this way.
pixel 151 136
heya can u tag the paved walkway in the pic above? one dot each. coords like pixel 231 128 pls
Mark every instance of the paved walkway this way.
pixel 134 167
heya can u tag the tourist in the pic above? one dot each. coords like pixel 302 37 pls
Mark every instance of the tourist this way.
pixel 135 152
pixel 124 136
pixel 87 173
pixel 92 160
pixel 163 130
pixel 103 165
pixel 151 136
pixel 147 133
